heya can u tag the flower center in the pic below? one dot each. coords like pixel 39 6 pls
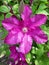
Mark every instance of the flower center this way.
pixel 25 29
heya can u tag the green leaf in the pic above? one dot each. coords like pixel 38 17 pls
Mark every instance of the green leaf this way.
pixel 4 33
pixel 0 23
pixel 42 6
pixel 44 60
pixel 42 12
pixel 8 15
pixel 41 9
pixel 2 54
pixel 36 62
pixel 1 18
pixel 4 50
pixel 46 30
pixel 4 47
pixel 26 1
pixel 6 1
pixel 0 30
pixel 7 52
pixel 39 52
pixel 33 51
pixel 28 57
pixel 16 8
pixel 4 9
pixel 44 0
pixel 34 7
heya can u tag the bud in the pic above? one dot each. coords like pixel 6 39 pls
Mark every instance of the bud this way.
pixel 21 6
pixel 31 1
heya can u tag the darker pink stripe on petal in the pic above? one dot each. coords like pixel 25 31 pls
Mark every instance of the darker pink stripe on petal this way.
pixel 39 36
pixel 26 44
pixel 9 23
pixel 26 13
pixel 38 20
pixel 13 38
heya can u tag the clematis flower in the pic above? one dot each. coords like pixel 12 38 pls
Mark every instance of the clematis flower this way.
pixel 18 57
pixel 24 31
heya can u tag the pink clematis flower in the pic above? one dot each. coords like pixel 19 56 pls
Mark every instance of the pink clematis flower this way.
pixel 17 57
pixel 24 31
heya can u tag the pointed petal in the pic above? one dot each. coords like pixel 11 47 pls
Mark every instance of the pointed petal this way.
pixel 26 44
pixel 13 38
pixel 9 23
pixel 14 54
pixel 39 36
pixel 38 20
pixel 26 13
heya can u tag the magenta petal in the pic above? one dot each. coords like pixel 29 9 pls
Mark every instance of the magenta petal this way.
pixel 26 13
pixel 14 54
pixel 39 36
pixel 22 56
pixel 22 63
pixel 12 49
pixel 26 44
pixel 9 23
pixel 13 38
pixel 38 19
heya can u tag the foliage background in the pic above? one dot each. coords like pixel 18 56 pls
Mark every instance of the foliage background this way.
pixel 38 53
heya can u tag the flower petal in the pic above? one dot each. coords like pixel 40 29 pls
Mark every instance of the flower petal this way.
pixel 38 20
pixel 9 23
pixel 22 56
pixel 26 13
pixel 12 49
pixel 26 44
pixel 22 63
pixel 39 36
pixel 14 54
pixel 13 38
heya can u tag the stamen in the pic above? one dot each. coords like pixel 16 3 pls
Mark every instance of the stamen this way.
pixel 25 29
